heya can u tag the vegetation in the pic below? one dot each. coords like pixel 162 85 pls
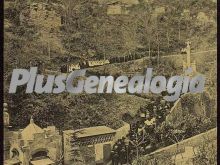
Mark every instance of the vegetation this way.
pixel 154 26
pixel 88 28
pixel 204 153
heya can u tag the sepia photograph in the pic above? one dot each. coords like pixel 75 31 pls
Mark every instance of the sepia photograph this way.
pixel 110 82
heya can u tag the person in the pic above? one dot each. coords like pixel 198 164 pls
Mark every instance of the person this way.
pixel 140 130
pixel 162 102
pixel 148 148
pixel 131 155
pixel 150 123
pixel 155 110
pixel 115 158
pixel 142 150
pixel 168 105
pixel 159 114
pixel 167 110
pixel 112 157
pixel 133 137
pixel 119 145
pixel 123 141
pixel 122 155
pixel 115 146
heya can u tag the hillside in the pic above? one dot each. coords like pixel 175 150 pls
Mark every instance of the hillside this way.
pixel 202 148
pixel 76 31
pixel 58 32
pixel 67 111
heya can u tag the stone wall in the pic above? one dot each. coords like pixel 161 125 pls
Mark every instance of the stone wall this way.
pixel 122 131
pixel 197 104
pixel 187 151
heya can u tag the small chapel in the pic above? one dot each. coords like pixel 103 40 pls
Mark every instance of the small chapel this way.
pixel 32 145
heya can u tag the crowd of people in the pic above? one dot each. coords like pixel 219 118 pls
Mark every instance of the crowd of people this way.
pixel 139 139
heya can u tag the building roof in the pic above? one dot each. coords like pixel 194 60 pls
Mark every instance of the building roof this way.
pixel 128 2
pixel 28 132
pixel 91 131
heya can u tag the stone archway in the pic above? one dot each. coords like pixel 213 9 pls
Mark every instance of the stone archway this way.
pixel 40 156
pixel 41 152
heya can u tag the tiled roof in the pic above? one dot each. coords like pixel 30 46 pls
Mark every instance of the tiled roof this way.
pixel 128 2
pixel 91 131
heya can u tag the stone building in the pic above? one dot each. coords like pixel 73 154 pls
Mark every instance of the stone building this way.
pixel 72 67
pixel 98 63
pixel 159 10
pixel 118 7
pixel 98 140
pixel 42 15
pixel 31 145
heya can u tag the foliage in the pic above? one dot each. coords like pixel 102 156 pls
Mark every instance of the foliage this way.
pixel 164 159
pixel 88 27
pixel 207 153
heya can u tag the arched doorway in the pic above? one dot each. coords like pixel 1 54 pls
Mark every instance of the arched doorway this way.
pixel 40 157
pixel 39 154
